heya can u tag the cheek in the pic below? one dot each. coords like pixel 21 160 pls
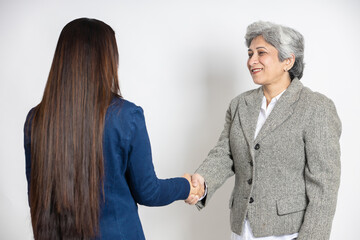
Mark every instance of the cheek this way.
pixel 265 61
pixel 270 63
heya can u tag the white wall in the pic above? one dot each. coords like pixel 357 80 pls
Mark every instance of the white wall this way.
pixel 182 61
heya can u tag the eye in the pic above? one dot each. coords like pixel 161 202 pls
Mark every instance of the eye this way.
pixel 261 53
pixel 250 54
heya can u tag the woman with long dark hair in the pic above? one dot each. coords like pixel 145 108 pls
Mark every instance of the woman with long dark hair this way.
pixel 88 155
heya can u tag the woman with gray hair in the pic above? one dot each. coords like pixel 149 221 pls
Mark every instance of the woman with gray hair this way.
pixel 281 141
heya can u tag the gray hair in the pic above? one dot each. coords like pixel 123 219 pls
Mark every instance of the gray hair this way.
pixel 286 40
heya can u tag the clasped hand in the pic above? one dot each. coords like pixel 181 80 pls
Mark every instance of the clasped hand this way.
pixel 197 188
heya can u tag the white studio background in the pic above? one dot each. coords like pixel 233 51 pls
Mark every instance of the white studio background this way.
pixel 182 61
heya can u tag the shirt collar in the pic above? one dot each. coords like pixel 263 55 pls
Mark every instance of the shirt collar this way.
pixel 273 100
pixel 278 96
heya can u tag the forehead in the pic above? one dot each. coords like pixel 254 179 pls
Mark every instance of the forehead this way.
pixel 259 42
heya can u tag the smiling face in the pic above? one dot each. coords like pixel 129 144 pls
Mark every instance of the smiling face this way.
pixel 264 64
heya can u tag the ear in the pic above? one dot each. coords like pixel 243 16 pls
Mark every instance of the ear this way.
pixel 289 62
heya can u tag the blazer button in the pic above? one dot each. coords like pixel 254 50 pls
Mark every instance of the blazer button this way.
pixel 251 163
pixel 251 200
pixel 257 146
pixel 249 181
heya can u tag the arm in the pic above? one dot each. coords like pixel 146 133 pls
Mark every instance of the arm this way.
pixel 27 146
pixel 322 171
pixel 146 188
pixel 218 166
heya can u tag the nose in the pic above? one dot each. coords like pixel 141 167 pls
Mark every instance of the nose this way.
pixel 253 60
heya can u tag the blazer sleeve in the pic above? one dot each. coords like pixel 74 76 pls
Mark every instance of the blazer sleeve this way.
pixel 27 147
pixel 218 165
pixel 322 170
pixel 146 188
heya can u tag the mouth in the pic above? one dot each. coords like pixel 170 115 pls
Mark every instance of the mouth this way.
pixel 256 70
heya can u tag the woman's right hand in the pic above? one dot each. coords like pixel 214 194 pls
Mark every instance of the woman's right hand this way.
pixel 197 188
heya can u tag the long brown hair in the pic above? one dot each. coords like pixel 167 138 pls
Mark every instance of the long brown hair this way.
pixel 67 165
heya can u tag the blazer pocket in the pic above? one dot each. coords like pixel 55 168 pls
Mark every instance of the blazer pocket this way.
pixel 291 204
pixel 231 201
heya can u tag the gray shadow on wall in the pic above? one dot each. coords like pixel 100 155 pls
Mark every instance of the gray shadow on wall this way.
pixel 222 82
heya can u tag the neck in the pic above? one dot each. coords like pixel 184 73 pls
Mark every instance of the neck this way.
pixel 274 89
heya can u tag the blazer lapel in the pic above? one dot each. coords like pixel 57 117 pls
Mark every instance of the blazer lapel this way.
pixel 250 113
pixel 282 110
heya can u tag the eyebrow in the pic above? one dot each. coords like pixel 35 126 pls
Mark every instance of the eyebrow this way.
pixel 257 48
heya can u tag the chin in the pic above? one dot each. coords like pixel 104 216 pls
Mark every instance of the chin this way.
pixel 258 81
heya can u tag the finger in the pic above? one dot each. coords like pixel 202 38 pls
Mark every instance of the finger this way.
pixel 190 199
pixel 191 202
pixel 200 178
pixel 194 181
pixel 187 176
pixel 195 200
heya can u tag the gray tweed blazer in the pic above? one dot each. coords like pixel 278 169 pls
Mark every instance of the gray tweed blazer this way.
pixel 287 179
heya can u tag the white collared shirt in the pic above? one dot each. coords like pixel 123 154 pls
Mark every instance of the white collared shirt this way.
pixel 247 233
pixel 265 112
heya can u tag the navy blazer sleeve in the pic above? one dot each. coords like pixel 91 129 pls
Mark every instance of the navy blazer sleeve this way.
pixel 27 146
pixel 146 188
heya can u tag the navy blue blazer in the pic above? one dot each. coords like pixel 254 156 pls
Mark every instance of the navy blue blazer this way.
pixel 130 178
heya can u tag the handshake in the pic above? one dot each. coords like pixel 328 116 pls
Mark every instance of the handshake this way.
pixel 197 188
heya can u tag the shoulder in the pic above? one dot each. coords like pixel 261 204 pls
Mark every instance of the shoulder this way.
pixel 245 94
pixel 322 118
pixel 321 108
pixel 30 114
pixel 124 105
pixel 123 109
pixel 240 99
pixel 316 100
pixel 124 115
